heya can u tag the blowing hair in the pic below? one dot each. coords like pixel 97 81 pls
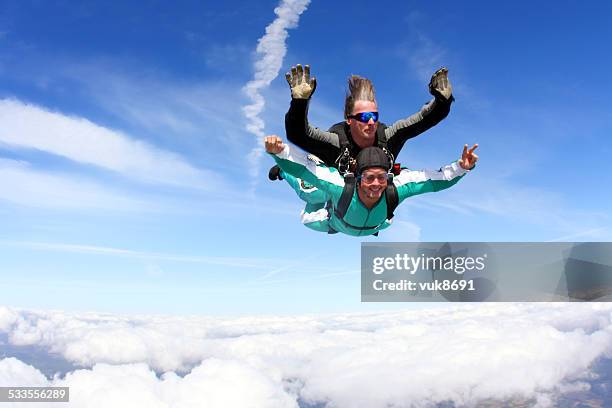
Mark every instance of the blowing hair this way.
pixel 359 89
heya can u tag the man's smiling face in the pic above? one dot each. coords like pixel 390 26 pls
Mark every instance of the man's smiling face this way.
pixel 373 182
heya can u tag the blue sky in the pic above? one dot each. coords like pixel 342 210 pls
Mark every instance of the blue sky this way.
pixel 128 181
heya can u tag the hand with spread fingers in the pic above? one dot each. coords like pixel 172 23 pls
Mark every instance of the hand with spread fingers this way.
pixel 468 157
pixel 440 86
pixel 274 144
pixel 301 84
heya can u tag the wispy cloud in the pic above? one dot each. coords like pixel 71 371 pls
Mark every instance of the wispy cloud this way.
pixel 181 113
pixel 21 184
pixel 536 206
pixel 484 195
pixel 495 190
pixel 402 231
pixel 592 233
pixel 419 50
pixel 271 50
pixel 258 263
pixel 426 57
pixel 78 139
pixel 288 266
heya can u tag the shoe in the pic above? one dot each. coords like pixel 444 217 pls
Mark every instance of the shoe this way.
pixel 274 173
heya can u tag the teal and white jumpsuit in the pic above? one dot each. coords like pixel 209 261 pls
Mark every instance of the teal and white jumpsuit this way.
pixel 358 220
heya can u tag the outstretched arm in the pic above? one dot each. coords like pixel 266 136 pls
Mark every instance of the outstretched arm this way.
pixel 429 115
pixel 411 182
pixel 301 166
pixel 324 145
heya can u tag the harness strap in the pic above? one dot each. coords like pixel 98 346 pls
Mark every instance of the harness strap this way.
pixel 347 194
pixel 343 161
pixel 328 207
pixel 391 196
pixel 381 139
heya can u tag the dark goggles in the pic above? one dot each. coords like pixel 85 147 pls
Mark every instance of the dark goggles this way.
pixel 364 117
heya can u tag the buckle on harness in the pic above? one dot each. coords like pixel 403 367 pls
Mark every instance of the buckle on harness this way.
pixel 389 155
pixel 344 161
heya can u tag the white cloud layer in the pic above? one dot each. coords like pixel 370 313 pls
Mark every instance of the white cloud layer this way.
pixel 464 354
pixel 33 127
pixel 213 384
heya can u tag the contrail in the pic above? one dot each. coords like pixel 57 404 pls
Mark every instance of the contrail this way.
pixel 271 50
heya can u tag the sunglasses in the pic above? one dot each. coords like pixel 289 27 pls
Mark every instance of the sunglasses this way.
pixel 369 178
pixel 364 117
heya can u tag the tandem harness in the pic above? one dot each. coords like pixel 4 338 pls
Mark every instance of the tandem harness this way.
pixel 343 164
pixel 343 161
pixel 350 183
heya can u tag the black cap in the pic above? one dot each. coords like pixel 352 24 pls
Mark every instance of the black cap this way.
pixel 372 157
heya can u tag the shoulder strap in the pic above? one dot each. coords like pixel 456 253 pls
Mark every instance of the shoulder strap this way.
pixel 343 160
pixel 342 163
pixel 347 195
pixel 392 197
pixel 339 129
pixel 381 139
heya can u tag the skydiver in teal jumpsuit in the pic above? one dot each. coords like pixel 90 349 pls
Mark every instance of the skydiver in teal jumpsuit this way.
pixel 367 211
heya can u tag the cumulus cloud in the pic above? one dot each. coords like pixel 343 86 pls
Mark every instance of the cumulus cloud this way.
pixel 7 318
pixel 464 354
pixel 78 139
pixel 14 373
pixel 214 383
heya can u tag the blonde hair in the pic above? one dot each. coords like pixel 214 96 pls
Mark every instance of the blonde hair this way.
pixel 359 89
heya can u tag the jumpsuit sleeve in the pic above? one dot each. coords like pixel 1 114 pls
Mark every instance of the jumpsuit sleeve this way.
pixel 299 165
pixel 412 182
pixel 427 117
pixel 325 145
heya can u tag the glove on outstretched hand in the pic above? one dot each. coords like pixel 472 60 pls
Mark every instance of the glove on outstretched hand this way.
pixel 301 84
pixel 440 86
